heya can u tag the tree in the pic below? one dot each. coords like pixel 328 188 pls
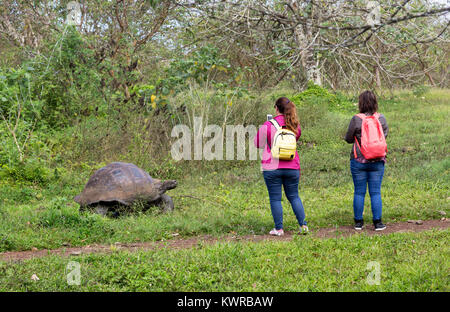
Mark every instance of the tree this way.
pixel 117 31
pixel 344 35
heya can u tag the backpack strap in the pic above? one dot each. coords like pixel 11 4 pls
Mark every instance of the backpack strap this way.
pixel 277 126
pixel 361 115
pixel 275 123
pixel 354 147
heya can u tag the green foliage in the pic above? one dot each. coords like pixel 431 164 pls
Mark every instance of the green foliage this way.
pixel 199 65
pixel 20 111
pixel 16 96
pixel 420 90
pixel 18 193
pixel 145 96
pixel 316 96
pixel 312 90
pixel 204 68
pixel 31 170
pixel 67 80
pixel 165 168
pixel 6 243
pixel 31 163
pixel 58 214
pixel 49 91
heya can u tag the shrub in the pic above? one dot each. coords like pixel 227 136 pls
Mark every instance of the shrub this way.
pixel 67 80
pixel 316 96
pixel 420 90
pixel 31 170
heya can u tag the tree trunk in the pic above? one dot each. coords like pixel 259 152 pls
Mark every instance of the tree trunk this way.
pixel 309 60
pixel 377 76
pixel 423 65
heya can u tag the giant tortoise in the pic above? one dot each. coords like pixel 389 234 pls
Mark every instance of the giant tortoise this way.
pixel 122 184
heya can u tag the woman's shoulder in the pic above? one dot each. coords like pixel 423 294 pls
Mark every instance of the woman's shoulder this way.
pixel 279 117
pixel 381 117
pixel 266 123
pixel 355 118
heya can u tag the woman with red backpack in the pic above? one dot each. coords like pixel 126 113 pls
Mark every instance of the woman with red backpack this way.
pixel 367 131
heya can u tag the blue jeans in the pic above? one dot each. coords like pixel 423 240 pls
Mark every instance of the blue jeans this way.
pixel 367 174
pixel 289 178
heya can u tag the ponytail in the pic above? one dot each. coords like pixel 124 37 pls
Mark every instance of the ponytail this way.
pixel 288 109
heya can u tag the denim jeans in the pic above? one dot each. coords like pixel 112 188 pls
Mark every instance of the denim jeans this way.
pixel 288 178
pixel 367 174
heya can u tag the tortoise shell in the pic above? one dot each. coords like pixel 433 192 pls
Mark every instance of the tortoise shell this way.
pixel 122 183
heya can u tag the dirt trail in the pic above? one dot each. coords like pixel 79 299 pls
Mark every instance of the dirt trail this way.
pixel 183 243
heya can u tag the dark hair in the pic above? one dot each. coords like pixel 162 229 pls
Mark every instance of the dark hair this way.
pixel 368 103
pixel 288 109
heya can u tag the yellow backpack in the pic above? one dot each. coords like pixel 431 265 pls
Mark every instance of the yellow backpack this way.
pixel 284 143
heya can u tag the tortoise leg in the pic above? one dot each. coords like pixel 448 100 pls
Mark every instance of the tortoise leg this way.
pixel 166 203
pixel 101 210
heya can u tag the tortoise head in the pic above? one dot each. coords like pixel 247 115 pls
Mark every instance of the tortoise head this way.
pixel 166 185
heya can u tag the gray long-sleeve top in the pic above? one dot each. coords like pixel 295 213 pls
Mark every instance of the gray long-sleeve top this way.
pixel 354 130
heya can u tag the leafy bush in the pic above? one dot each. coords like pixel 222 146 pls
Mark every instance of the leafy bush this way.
pixel 6 243
pixel 20 110
pixel 30 164
pixel 67 80
pixel 420 90
pixel 15 95
pixel 31 170
pixel 315 95
pixel 312 91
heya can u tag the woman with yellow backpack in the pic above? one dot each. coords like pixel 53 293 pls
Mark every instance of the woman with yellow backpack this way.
pixel 281 163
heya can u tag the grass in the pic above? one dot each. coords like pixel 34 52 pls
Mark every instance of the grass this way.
pixel 407 262
pixel 220 197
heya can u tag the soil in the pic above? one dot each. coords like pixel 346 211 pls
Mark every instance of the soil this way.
pixel 183 243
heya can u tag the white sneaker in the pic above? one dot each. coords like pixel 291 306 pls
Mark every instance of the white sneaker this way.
pixel 304 230
pixel 277 232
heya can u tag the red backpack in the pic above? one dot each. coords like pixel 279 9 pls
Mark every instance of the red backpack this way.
pixel 373 143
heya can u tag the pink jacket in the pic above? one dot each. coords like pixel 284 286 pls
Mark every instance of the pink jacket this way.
pixel 267 130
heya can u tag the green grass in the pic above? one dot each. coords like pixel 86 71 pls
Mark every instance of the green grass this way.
pixel 407 262
pixel 222 197
pixel 230 196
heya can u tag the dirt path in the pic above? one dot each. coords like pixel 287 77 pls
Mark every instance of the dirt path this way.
pixel 183 243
